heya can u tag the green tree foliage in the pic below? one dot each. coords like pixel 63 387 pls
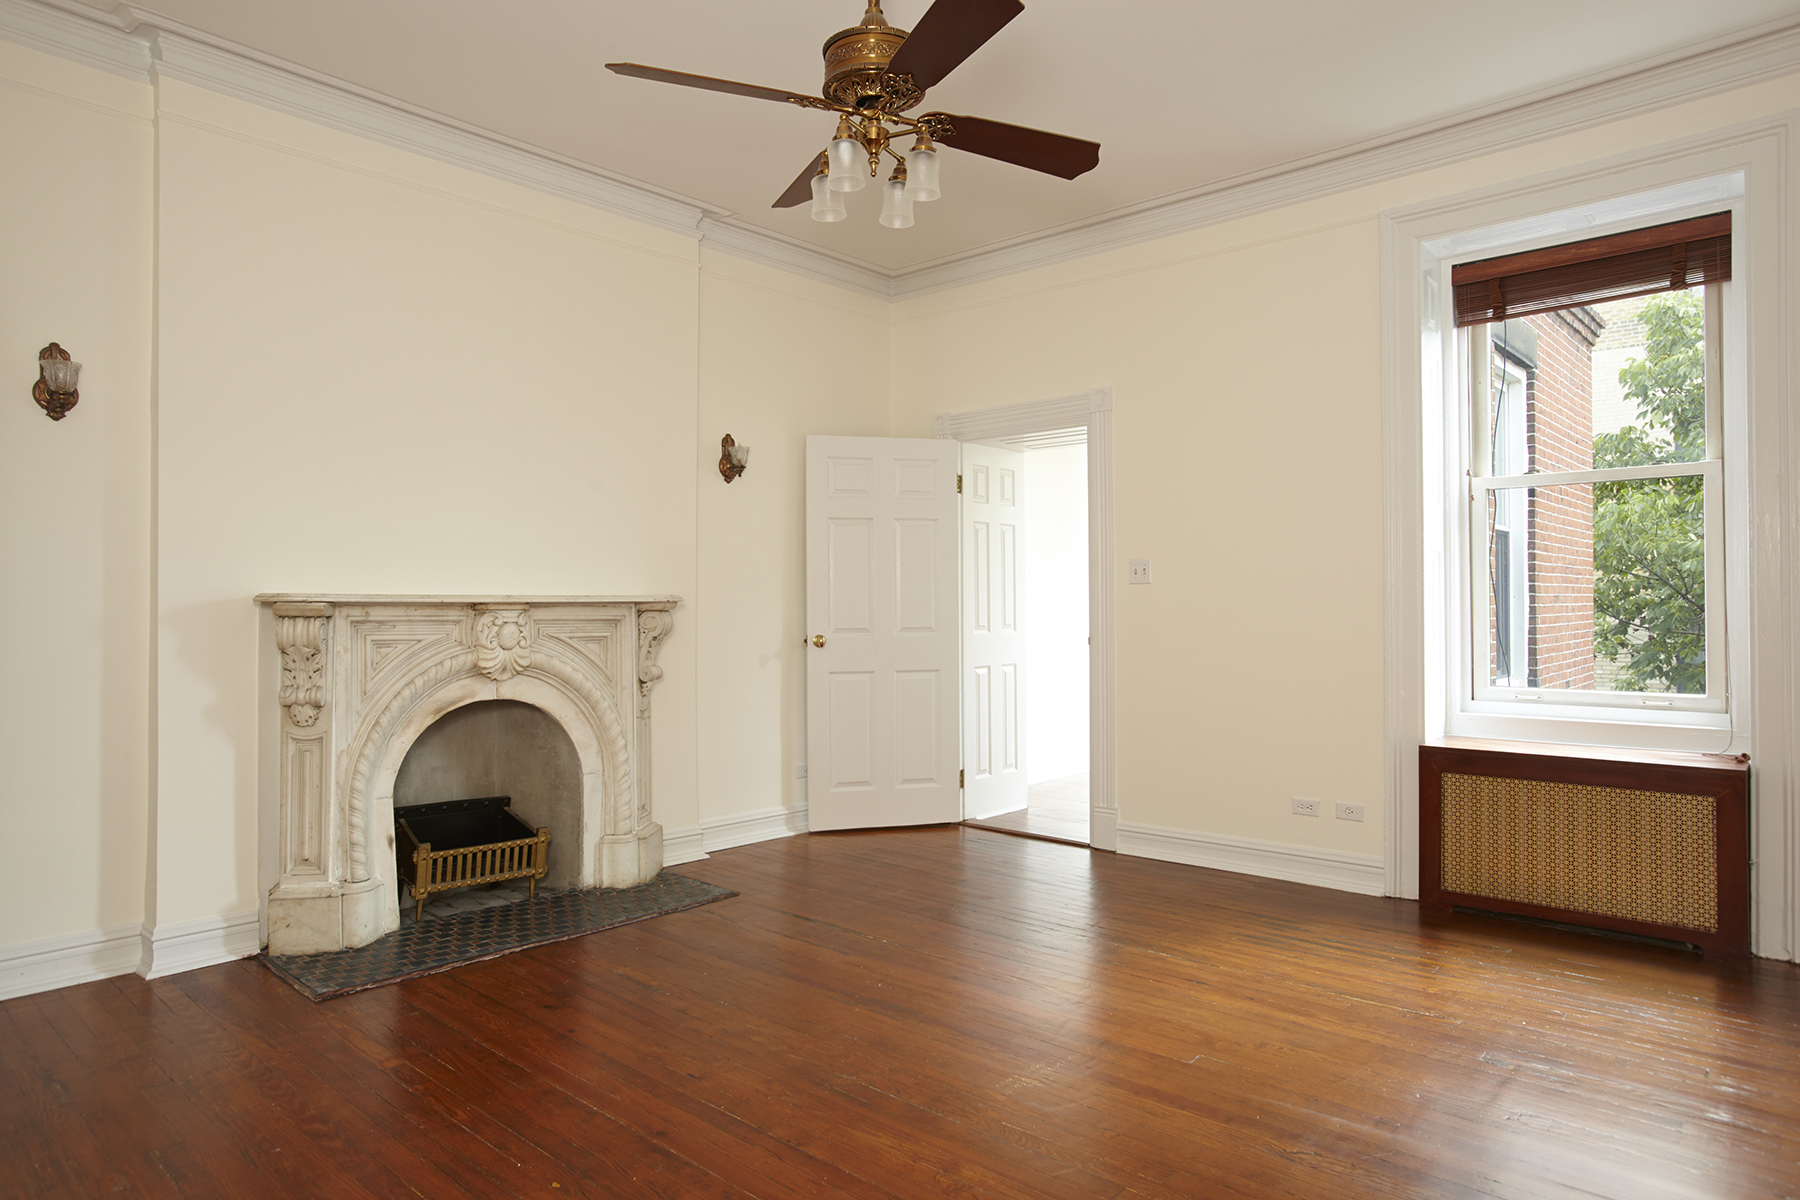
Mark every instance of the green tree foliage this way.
pixel 1649 557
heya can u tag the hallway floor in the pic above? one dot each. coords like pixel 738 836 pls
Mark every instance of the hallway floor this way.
pixel 1057 811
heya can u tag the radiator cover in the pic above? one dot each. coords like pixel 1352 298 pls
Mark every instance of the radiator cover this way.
pixel 1648 844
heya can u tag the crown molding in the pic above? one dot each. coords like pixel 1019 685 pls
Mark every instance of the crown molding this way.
pixel 141 44
pixel 83 35
pixel 772 249
pixel 230 70
pixel 1691 74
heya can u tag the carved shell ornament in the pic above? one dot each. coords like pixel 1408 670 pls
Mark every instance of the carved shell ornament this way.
pixel 503 644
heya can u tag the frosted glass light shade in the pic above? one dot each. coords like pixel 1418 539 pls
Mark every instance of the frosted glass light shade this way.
pixel 896 208
pixel 849 165
pixel 922 175
pixel 827 205
pixel 60 374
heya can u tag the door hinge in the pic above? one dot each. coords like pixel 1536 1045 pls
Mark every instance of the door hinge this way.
pixel 959 485
pixel 959 777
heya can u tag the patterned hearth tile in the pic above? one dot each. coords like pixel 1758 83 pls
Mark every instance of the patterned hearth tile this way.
pixel 438 944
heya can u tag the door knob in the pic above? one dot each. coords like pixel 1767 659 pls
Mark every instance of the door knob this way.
pixel 819 640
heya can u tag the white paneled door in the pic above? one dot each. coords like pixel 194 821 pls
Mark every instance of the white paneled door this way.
pixel 992 634
pixel 881 712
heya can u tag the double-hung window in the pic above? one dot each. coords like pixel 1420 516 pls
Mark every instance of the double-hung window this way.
pixel 1592 483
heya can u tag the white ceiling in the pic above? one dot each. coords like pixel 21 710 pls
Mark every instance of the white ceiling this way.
pixel 1180 93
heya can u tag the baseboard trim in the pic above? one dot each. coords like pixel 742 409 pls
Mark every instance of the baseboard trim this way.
pixel 206 942
pixel 1362 873
pixel 763 825
pixel 1103 829
pixel 59 962
pixel 687 844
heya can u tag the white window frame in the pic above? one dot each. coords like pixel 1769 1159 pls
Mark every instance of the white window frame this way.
pixel 1514 390
pixel 1748 169
pixel 1483 697
pixel 1654 721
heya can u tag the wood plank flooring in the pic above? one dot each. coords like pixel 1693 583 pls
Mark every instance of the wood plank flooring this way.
pixel 1056 809
pixel 938 1012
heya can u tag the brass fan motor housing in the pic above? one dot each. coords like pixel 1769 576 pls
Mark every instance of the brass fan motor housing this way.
pixel 856 62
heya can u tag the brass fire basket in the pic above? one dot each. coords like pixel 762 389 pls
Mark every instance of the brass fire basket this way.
pixel 460 843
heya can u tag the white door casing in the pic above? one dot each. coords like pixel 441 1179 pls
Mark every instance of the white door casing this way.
pixel 994 779
pixel 881 609
pixel 1090 414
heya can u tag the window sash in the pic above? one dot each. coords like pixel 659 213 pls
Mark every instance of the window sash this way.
pixel 1481 614
pixel 1477 613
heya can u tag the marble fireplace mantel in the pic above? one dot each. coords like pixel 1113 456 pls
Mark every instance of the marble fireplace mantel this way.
pixel 360 677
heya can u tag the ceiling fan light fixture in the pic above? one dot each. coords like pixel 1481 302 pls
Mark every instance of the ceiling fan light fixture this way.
pixel 896 205
pixel 874 73
pixel 848 160
pixel 922 171
pixel 827 205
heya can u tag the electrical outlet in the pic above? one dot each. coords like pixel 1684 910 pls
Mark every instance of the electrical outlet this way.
pixel 1305 808
pixel 800 771
pixel 1140 570
pixel 1350 812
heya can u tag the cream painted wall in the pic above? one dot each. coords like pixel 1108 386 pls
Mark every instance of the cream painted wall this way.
pixel 1267 578
pixel 382 374
pixel 776 351
pixel 341 328
pixel 1248 460
pixel 74 498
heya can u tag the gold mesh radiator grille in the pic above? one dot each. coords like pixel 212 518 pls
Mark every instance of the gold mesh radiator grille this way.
pixel 1637 855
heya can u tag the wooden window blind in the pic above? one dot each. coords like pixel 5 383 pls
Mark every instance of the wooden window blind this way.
pixel 1640 262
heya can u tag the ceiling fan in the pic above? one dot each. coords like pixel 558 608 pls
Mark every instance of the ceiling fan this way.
pixel 873 74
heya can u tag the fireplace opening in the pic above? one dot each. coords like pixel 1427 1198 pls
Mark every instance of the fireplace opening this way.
pixel 501 748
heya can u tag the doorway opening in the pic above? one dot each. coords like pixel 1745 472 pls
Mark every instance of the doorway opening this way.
pixel 1025 636
pixel 892 736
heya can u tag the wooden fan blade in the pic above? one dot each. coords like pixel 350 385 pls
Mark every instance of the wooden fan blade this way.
pixel 949 32
pixel 710 84
pixel 1051 153
pixel 800 191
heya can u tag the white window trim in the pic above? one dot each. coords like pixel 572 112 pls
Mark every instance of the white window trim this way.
pixel 1764 571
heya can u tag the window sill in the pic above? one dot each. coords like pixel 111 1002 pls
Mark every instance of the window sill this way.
pixel 1676 731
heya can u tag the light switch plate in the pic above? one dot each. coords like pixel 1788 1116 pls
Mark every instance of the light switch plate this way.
pixel 1140 570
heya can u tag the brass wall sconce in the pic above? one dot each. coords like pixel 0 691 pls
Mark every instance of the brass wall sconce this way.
pixel 55 389
pixel 734 459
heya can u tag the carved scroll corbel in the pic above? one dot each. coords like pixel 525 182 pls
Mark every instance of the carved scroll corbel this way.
pixel 653 626
pixel 300 636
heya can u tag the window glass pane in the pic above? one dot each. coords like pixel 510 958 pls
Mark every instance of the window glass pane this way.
pixel 1598 587
pixel 1618 384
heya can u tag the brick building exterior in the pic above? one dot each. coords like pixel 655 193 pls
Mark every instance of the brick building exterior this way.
pixel 1555 427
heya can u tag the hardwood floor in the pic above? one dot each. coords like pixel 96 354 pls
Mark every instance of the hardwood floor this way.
pixel 1056 809
pixel 932 1012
